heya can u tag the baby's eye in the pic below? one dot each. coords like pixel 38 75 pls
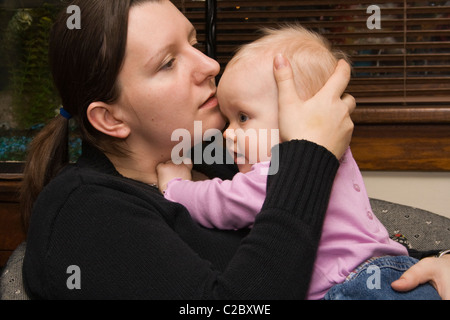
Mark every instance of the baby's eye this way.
pixel 242 117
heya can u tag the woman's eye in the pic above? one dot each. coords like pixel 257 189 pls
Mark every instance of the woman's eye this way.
pixel 243 117
pixel 168 65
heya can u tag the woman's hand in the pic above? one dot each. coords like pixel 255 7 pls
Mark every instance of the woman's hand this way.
pixel 325 118
pixel 433 270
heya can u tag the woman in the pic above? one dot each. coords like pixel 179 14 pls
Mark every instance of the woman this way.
pixel 131 76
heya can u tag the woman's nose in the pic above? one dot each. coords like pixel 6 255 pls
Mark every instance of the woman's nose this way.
pixel 205 68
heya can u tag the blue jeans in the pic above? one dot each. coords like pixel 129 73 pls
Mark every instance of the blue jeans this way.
pixel 372 281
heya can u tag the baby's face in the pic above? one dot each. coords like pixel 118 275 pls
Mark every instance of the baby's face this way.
pixel 248 99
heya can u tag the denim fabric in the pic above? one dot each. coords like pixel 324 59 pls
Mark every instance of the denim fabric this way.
pixel 372 281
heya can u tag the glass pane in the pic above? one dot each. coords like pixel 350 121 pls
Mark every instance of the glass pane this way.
pixel 428 51
pixel 27 95
pixel 399 49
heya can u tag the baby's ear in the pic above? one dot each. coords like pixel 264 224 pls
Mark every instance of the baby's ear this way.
pixel 107 119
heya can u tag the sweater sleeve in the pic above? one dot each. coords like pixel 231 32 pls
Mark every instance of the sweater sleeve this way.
pixel 284 240
pixel 223 204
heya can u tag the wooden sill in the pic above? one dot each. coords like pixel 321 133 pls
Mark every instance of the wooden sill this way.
pixel 376 145
pixel 11 233
pixel 402 147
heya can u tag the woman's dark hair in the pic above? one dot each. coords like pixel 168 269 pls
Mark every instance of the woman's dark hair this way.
pixel 85 65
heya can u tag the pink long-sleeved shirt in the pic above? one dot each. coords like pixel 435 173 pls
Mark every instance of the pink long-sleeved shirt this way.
pixel 351 233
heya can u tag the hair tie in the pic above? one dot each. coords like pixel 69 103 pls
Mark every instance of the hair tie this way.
pixel 65 114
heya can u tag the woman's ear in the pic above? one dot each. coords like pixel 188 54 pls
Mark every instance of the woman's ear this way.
pixel 107 119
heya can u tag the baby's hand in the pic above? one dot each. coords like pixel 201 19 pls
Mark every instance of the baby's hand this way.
pixel 168 171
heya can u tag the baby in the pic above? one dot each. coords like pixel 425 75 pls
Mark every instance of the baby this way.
pixel 353 240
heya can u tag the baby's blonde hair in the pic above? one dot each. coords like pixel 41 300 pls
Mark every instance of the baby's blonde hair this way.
pixel 312 58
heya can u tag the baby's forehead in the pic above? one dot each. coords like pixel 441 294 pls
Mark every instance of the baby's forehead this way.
pixel 259 65
pixel 249 79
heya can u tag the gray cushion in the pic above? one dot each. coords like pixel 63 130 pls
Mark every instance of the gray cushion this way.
pixel 11 284
pixel 424 230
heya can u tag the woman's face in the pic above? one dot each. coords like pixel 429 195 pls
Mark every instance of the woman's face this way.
pixel 166 83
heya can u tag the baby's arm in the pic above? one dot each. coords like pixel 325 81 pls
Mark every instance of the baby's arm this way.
pixel 168 171
pixel 223 204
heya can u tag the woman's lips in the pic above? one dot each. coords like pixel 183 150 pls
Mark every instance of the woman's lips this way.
pixel 210 103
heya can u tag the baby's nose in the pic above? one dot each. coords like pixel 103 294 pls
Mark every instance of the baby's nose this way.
pixel 229 134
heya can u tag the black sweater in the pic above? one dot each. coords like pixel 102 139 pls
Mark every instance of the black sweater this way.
pixel 130 243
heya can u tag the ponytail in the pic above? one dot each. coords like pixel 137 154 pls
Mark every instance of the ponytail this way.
pixel 47 155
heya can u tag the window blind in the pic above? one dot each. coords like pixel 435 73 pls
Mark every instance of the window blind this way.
pixel 400 50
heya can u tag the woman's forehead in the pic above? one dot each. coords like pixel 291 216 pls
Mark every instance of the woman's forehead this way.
pixel 155 25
